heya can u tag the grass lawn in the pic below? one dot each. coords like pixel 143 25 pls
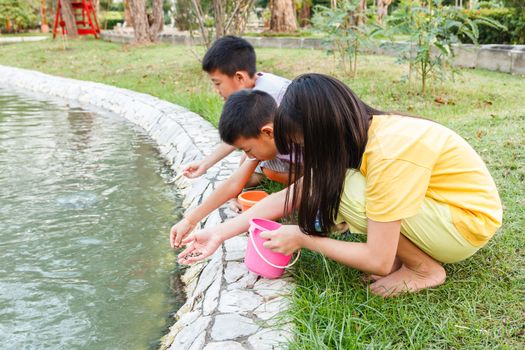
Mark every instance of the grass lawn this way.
pixel 482 304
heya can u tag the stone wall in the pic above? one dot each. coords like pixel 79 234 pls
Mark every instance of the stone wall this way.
pixel 227 306
pixel 502 58
pixel 21 39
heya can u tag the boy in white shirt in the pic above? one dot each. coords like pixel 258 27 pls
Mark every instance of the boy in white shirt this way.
pixel 231 66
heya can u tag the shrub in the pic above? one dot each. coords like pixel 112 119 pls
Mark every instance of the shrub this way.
pixel 117 6
pixel 185 18
pixel 512 19
pixel 109 19
pixel 347 29
pixel 17 15
pixel 432 29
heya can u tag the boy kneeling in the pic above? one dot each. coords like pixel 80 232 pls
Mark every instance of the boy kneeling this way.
pixel 246 123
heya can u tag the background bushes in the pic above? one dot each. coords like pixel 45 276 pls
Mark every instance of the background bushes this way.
pixel 18 15
pixel 109 19
pixel 513 19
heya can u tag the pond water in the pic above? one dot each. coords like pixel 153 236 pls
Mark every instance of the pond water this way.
pixel 85 211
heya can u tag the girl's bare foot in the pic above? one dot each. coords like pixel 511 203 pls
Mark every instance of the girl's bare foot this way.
pixel 409 279
pixel 372 278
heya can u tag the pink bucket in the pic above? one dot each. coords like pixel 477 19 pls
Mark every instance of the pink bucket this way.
pixel 261 260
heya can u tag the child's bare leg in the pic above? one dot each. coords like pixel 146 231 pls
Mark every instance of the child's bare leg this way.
pixel 418 271
pixel 281 177
pixel 254 180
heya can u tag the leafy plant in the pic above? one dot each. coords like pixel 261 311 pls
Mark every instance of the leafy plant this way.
pixel 432 29
pixel 347 30
pixel 17 15
pixel 216 18
pixel 513 19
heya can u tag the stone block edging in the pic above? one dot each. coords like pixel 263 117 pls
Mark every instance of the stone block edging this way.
pixel 227 306
pixel 20 39
pixel 502 58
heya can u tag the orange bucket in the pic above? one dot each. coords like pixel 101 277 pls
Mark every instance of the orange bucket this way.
pixel 249 198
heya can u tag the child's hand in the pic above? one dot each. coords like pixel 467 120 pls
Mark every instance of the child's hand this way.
pixel 194 169
pixel 180 230
pixel 286 239
pixel 200 245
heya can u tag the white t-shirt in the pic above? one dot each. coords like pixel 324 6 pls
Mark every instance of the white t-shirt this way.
pixel 272 84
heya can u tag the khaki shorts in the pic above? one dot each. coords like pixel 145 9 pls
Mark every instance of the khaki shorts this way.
pixel 431 229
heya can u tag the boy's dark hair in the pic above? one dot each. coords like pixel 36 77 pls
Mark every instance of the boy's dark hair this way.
pixel 230 54
pixel 245 113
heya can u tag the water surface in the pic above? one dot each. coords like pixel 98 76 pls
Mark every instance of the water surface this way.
pixel 85 209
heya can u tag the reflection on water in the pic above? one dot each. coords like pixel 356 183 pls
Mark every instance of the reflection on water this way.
pixel 84 213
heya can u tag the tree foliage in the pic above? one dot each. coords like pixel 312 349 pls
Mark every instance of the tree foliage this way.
pixel 432 29
pixel 347 30
pixel 215 18
pixel 17 15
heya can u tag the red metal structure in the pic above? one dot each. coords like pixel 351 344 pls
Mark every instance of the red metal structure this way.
pixel 85 17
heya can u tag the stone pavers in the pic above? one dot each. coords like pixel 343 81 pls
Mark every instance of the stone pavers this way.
pixel 227 306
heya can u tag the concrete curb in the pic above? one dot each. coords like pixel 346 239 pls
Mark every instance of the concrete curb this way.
pixel 21 39
pixel 227 307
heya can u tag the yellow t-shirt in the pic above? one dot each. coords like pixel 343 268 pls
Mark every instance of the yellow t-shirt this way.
pixel 407 159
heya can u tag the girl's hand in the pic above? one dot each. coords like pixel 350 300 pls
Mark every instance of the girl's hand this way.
pixel 200 245
pixel 286 239
pixel 180 230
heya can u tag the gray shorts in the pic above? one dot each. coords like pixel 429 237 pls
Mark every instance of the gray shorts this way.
pixel 276 164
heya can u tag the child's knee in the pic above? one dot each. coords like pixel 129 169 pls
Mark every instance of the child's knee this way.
pixel 276 176
pixel 254 180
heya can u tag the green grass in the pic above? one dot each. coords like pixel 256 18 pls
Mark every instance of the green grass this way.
pixel 482 304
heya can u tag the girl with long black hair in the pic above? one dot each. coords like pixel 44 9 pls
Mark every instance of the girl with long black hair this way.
pixel 418 190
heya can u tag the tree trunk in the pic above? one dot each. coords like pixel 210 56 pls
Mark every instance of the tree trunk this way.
pixel 361 12
pixel 238 17
pixel 140 20
pixel 218 14
pixel 382 9
pixel 44 27
pixel 69 17
pixel 157 22
pixel 128 20
pixel 96 6
pixel 283 16
pixel 146 27
pixel 205 33
pixel 305 14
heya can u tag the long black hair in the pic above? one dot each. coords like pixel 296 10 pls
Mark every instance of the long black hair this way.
pixel 323 123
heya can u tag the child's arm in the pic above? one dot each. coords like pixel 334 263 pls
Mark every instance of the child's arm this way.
pixel 206 241
pixel 376 255
pixel 197 168
pixel 226 190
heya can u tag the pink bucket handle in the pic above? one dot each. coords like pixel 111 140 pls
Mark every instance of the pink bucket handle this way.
pixel 250 230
